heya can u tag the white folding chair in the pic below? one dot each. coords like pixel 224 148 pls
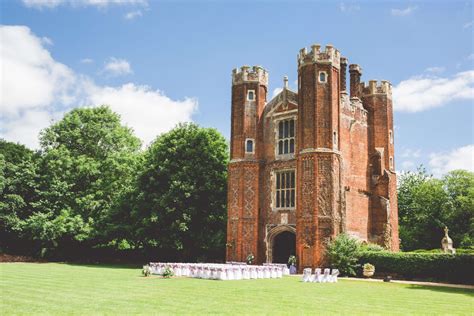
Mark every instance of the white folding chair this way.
pixel 334 274
pixel 306 275
pixel 230 273
pixel 266 273
pixel 317 275
pixel 245 273
pixel 326 276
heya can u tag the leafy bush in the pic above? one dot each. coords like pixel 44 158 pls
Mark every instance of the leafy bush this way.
pixel 343 253
pixel 455 268
pixel 371 247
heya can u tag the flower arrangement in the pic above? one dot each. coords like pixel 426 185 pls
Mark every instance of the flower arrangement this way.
pixel 167 272
pixel 146 270
pixel 368 270
pixel 292 260
pixel 369 267
pixel 250 258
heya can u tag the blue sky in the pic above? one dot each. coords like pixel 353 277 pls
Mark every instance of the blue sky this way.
pixel 161 62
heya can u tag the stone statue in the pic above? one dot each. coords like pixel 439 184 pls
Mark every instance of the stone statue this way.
pixel 447 243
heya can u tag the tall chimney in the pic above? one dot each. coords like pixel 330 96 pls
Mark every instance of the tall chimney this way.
pixel 355 72
pixel 342 74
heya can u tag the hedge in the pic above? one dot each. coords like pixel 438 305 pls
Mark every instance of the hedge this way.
pixel 422 266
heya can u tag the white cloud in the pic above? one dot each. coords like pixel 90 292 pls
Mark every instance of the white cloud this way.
pixel 47 40
pixel 87 61
pixel 117 67
pixel 408 165
pixel 421 93
pixel 459 158
pixel 348 7
pixel 468 25
pixel 403 12
pixel 411 153
pixel 34 78
pixel 133 14
pixel 49 4
pixel 39 89
pixel 435 69
pixel 148 111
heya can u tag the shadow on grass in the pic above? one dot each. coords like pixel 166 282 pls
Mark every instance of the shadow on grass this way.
pixel 443 289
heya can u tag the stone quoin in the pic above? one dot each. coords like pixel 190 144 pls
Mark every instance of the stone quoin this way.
pixel 309 165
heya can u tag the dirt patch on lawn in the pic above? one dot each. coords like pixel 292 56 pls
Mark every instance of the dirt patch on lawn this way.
pixel 14 258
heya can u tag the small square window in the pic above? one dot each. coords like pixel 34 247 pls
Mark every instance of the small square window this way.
pixel 391 136
pixel 391 163
pixel 251 95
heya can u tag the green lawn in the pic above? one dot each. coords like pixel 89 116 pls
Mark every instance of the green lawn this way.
pixel 51 288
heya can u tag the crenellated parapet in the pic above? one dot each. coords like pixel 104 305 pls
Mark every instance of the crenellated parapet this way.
pixel 376 87
pixel 329 55
pixel 247 74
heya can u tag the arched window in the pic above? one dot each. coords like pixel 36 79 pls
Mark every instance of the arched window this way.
pixel 249 146
pixel 322 76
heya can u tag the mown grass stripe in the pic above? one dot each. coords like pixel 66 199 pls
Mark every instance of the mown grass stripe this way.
pixel 74 289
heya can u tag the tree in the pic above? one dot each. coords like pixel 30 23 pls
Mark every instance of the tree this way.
pixel 426 205
pixel 343 254
pixel 17 192
pixel 88 162
pixel 181 200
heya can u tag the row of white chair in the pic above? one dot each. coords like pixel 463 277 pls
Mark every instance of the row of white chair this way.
pixel 219 271
pixel 318 277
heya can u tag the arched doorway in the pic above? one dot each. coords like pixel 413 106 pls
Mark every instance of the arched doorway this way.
pixel 284 246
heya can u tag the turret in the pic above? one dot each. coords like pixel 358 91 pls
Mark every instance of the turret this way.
pixel 318 93
pixel 249 95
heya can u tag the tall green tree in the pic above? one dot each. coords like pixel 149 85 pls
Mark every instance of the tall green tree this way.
pixel 426 205
pixel 18 185
pixel 88 162
pixel 181 204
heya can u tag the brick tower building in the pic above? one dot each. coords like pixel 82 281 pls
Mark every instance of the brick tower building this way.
pixel 310 165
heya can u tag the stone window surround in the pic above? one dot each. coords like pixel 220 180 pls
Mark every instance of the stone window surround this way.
pixel 276 121
pixel 248 95
pixel 273 189
pixel 253 146
pixel 325 76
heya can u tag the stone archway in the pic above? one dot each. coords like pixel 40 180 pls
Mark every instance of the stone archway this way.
pixel 281 241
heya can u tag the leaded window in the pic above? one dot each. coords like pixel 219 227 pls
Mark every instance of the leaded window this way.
pixel 286 137
pixel 285 189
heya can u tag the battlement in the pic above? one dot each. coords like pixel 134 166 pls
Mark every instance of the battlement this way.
pixel 376 87
pixel 250 74
pixel 329 55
